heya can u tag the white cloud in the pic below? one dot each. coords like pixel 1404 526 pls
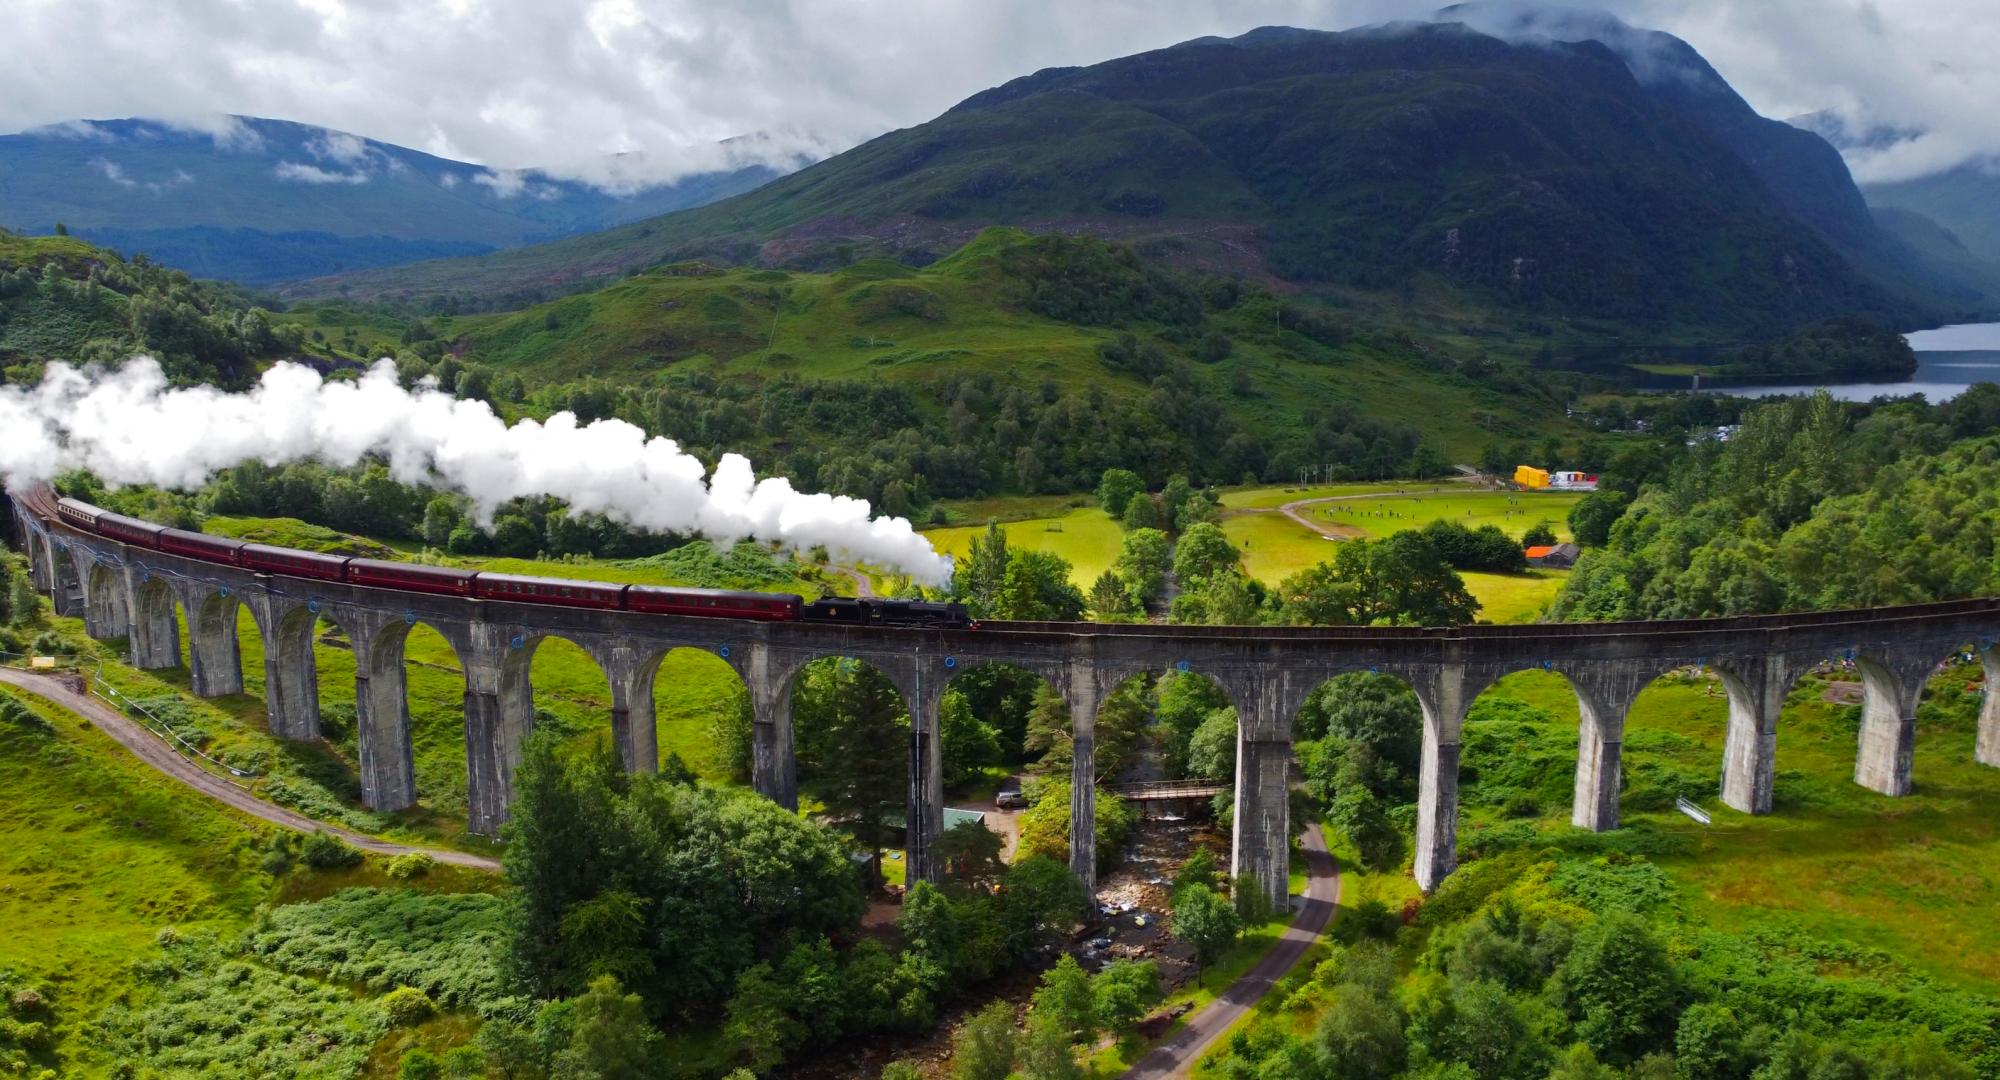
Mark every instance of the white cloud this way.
pixel 448 181
pixel 313 174
pixel 339 147
pixel 80 130
pixel 506 184
pixel 115 173
pixel 565 87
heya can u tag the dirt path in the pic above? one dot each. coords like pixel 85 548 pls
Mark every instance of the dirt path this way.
pixel 1344 532
pixel 863 587
pixel 147 747
pixel 1177 1055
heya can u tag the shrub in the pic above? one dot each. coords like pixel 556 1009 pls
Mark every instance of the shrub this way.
pixel 407 1006
pixel 414 865
pixel 325 851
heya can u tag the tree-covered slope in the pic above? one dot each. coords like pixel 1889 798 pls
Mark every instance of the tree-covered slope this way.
pixel 1540 177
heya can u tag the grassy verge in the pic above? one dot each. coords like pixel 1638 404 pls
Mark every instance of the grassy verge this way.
pixel 101 852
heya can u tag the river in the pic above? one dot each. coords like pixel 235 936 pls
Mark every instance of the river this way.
pixel 1949 359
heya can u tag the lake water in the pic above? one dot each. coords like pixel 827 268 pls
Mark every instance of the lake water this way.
pixel 1949 359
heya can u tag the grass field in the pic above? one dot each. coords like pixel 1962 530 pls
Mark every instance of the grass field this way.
pixel 1512 511
pixel 1086 536
pixel 100 853
pixel 1918 877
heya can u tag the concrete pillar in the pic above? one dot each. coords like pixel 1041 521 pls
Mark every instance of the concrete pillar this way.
pixel 634 729
pixel 1891 688
pixel 1988 752
pixel 1757 689
pixel 1083 695
pixel 382 720
pixel 926 797
pixel 105 609
pixel 1599 772
pixel 1261 827
pixel 154 637
pixel 215 660
pixel 774 758
pixel 291 681
pixel 1604 695
pixel 66 591
pixel 1443 694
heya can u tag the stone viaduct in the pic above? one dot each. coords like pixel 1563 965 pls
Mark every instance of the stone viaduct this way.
pixel 1267 672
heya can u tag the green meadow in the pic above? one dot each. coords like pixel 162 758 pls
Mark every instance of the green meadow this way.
pixel 1917 876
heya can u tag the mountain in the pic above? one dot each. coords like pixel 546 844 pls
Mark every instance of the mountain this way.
pixel 1965 200
pixel 1521 178
pixel 259 201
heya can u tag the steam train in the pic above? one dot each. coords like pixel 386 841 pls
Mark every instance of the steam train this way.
pixel 509 588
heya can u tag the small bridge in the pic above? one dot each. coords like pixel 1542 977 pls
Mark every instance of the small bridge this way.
pixel 1163 790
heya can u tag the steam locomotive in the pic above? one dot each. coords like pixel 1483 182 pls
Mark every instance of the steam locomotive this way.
pixel 508 588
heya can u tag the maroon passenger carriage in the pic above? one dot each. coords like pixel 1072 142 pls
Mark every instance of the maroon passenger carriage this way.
pixel 506 588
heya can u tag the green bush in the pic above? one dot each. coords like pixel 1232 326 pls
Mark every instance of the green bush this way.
pixel 407 1006
pixel 325 851
pixel 447 945
pixel 414 865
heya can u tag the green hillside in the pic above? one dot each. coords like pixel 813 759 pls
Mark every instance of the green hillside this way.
pixel 1045 319
pixel 1543 187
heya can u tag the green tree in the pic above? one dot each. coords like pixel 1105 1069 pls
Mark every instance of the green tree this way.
pixel 1590 520
pixel 1121 993
pixel 1202 554
pixel 1198 869
pixel 1620 986
pixel 853 746
pixel 1116 489
pixel 967 744
pixel 1065 996
pixel 1212 750
pixel 1141 513
pixel 1184 700
pixel 1110 598
pixel 612 1038
pixel 984 1048
pixel 1361 1033
pixel 1037 588
pixel 419 1064
pixel 1540 533
pixel 1205 921
pixel 977 583
pixel 1175 496
pixel 1708 1043
pixel 1142 563
pixel 1046 1052
pixel 1579 1063
pixel 970 853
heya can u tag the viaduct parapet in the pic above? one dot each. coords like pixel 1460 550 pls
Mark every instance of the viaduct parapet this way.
pixel 132 593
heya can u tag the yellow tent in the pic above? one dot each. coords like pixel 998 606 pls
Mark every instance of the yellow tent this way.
pixel 1528 476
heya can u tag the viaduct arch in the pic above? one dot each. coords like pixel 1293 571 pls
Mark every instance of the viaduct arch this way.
pixel 1267 673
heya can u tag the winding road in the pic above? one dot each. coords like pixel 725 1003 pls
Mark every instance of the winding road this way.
pixel 148 748
pixel 1178 1054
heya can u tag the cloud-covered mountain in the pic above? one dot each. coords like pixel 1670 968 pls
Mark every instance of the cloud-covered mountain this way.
pixel 1577 173
pixel 259 201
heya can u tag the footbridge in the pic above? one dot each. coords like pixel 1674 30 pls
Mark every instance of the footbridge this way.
pixel 132 593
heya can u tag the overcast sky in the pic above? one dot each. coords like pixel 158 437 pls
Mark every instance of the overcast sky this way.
pixel 559 84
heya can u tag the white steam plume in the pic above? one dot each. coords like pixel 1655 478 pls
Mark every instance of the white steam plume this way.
pixel 128 427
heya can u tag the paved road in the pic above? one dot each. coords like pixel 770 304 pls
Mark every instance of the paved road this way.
pixel 148 748
pixel 1177 1055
